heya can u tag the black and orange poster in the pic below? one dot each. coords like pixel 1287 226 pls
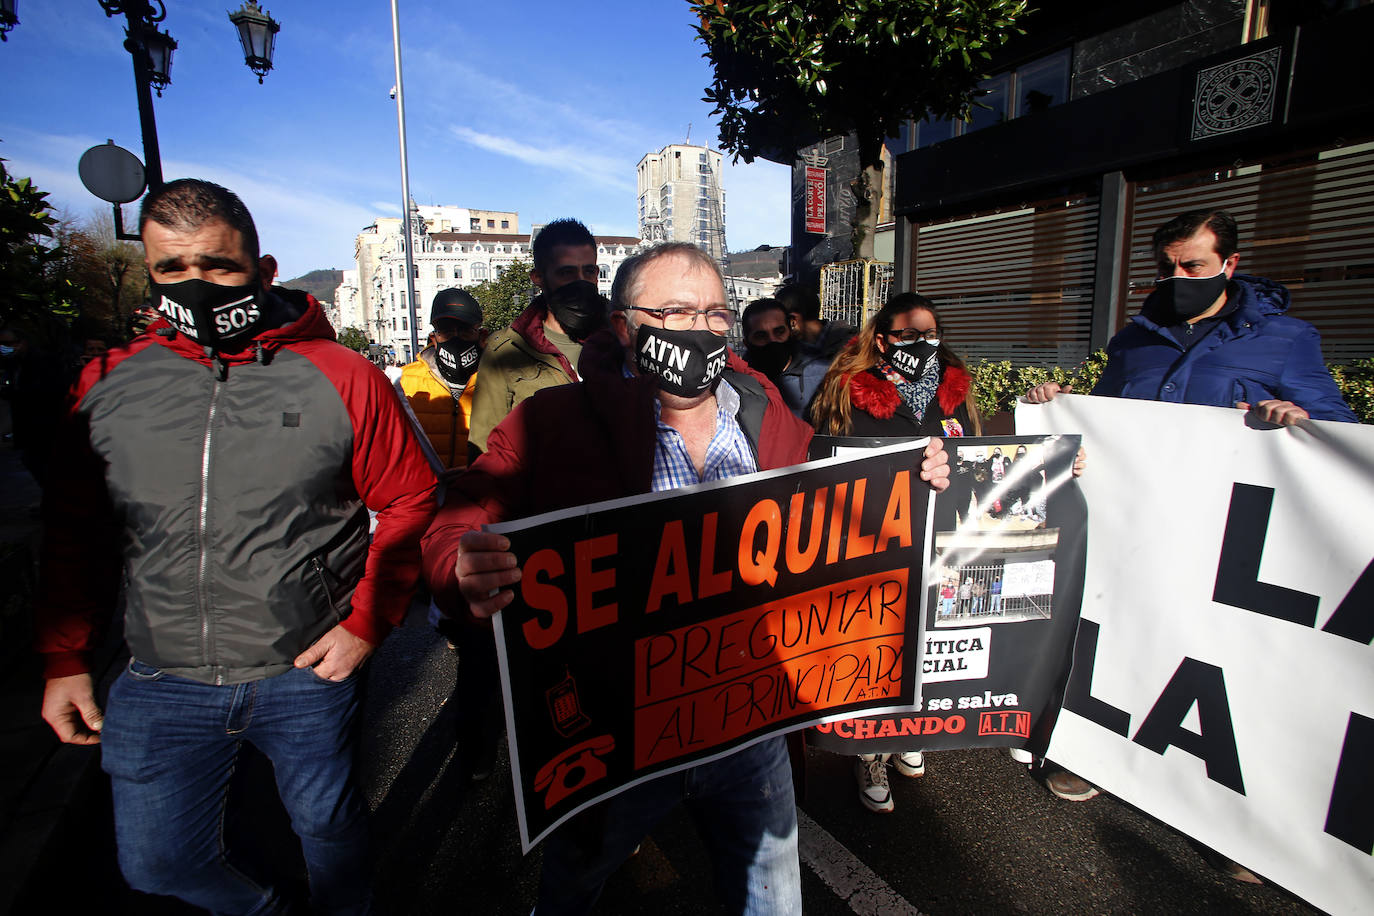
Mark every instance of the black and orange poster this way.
pixel 1002 602
pixel 653 633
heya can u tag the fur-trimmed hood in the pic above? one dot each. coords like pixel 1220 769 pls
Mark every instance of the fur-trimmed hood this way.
pixel 875 395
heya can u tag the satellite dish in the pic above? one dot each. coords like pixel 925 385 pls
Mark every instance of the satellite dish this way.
pixel 112 173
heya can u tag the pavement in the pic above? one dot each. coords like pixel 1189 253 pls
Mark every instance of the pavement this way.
pixel 977 834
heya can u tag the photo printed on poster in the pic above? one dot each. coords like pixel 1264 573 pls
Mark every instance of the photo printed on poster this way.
pixel 1003 593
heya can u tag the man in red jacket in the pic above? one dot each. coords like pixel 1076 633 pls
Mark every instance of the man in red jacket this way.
pixel 663 403
pixel 230 454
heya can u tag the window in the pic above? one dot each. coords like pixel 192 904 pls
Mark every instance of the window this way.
pixel 439 272
pixel 457 271
pixel 603 271
pixel 405 323
pixel 415 271
pixel 491 224
pixel 1030 88
pixel 479 270
pixel 393 322
pixel 505 224
pixel 474 224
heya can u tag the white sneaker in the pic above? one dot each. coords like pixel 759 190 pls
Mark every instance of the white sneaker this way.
pixel 1021 755
pixel 873 789
pixel 911 764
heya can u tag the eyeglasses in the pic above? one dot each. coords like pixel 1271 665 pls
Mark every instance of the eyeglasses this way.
pixel 911 335
pixel 676 318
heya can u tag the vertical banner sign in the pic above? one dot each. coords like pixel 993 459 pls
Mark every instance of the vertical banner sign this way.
pixel 1223 676
pixel 815 200
pixel 653 633
pixel 1002 605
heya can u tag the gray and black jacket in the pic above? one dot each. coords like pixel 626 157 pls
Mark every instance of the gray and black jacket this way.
pixel 236 490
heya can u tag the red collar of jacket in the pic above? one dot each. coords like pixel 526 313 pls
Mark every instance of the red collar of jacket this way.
pixel 529 324
pixel 875 395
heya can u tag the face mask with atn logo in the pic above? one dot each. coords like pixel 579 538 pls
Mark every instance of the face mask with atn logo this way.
pixel 686 363
pixel 909 359
pixel 210 314
pixel 457 360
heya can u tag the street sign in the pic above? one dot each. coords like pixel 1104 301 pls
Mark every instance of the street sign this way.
pixel 112 173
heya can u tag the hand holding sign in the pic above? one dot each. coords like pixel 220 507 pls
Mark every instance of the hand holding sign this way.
pixel 486 570
pixel 935 465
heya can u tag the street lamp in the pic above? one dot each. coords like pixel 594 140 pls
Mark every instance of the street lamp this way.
pixel 258 35
pixel 152 49
pixel 158 46
pixel 8 18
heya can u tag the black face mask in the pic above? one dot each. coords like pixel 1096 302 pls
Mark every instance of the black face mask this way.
pixel 909 359
pixel 457 360
pixel 208 313
pixel 771 358
pixel 686 363
pixel 1185 298
pixel 579 315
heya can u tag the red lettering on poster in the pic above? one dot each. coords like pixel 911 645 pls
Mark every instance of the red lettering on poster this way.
pixel 708 683
pixel 1017 724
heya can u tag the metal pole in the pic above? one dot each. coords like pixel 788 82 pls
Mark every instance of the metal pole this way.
pixel 405 185
pixel 152 156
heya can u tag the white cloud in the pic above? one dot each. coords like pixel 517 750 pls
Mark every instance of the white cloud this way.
pixel 595 167
pixel 390 209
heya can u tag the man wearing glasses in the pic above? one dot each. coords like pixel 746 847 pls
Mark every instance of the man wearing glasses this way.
pixel 663 403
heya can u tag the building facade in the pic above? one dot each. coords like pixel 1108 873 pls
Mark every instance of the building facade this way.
pixel 1030 223
pixel 443 258
pixel 681 198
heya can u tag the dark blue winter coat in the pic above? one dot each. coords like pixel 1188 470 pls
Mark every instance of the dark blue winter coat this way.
pixel 1255 353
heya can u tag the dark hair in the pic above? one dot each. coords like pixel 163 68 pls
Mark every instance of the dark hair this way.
pixel 566 231
pixel 1186 225
pixel 758 307
pixel 189 203
pixel 800 300
pixel 626 284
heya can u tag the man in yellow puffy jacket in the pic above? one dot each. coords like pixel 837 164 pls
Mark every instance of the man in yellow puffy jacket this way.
pixel 439 386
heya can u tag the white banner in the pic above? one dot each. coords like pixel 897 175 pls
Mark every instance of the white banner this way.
pixel 1224 676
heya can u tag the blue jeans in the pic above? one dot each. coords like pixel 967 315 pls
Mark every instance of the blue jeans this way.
pixel 743 808
pixel 170 744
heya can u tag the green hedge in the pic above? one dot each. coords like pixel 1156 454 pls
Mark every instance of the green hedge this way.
pixel 997 385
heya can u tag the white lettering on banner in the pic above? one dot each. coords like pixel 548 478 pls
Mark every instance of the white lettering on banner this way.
pixel 956 655
pixel 1227 617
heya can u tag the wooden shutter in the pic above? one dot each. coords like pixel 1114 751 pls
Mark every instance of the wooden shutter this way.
pixel 1016 285
pixel 1307 224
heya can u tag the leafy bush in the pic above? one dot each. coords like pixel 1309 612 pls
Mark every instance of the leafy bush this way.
pixel 997 385
pixel 1356 382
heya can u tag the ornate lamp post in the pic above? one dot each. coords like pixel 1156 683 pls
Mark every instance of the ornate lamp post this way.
pixel 8 18
pixel 258 35
pixel 152 49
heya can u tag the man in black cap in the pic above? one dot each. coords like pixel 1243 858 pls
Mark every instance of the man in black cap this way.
pixel 439 386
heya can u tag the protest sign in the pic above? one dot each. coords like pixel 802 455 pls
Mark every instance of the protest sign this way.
pixel 1002 605
pixel 652 633
pixel 1223 677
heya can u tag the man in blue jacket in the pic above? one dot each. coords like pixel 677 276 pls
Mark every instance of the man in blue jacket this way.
pixel 1208 335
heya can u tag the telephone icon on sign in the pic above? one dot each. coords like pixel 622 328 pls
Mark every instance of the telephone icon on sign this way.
pixel 577 767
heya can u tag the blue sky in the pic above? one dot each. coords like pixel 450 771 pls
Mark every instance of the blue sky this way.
pixel 536 106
